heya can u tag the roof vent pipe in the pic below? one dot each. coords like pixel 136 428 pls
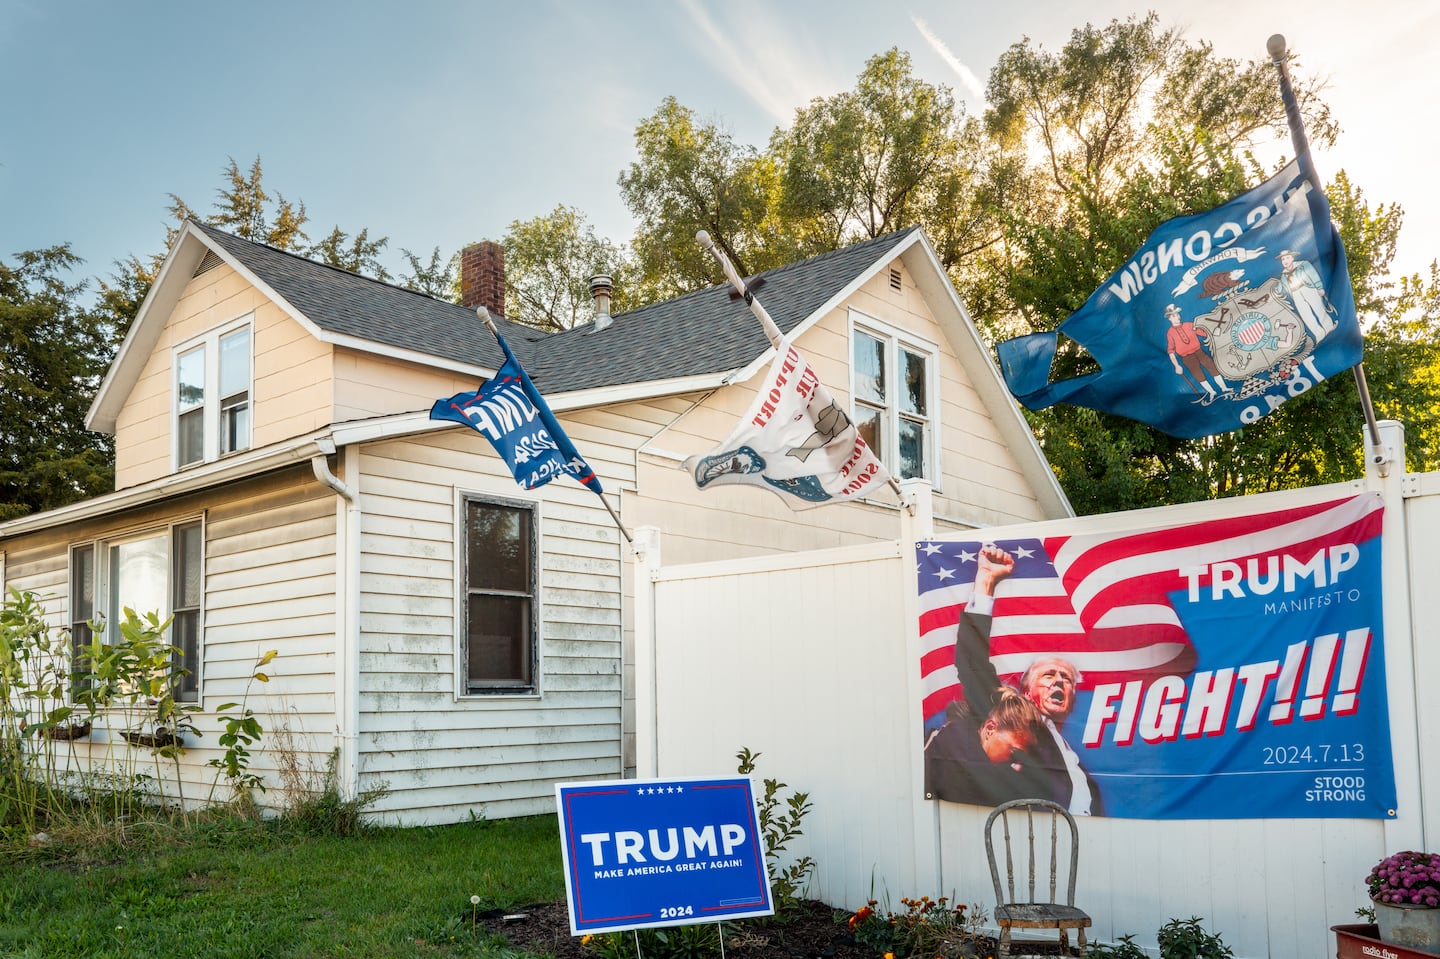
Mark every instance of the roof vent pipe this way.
pixel 601 287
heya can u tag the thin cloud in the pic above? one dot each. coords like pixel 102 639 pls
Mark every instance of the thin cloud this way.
pixel 968 79
pixel 776 76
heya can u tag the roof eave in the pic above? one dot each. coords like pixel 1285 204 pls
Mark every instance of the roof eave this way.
pixel 229 469
pixel 179 265
pixel 924 265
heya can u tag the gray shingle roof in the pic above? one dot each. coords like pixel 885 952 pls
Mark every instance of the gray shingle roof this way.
pixel 707 331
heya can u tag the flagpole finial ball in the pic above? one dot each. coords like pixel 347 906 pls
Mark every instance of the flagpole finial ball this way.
pixel 1276 46
pixel 703 238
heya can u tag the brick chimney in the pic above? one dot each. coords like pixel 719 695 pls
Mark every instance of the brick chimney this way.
pixel 482 277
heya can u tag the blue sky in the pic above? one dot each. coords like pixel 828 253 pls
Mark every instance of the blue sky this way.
pixel 438 122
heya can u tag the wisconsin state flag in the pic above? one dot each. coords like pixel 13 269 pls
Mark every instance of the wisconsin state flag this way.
pixel 1214 322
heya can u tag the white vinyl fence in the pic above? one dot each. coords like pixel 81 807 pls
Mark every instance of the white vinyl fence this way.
pixel 812 661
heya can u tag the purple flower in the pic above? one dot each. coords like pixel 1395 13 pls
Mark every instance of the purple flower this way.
pixel 1406 877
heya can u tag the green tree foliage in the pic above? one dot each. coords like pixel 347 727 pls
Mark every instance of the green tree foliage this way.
pixel 1402 364
pixel 692 176
pixel 1125 127
pixel 53 353
pixel 893 152
pixel 436 277
pixel 549 261
pixel 243 207
pixel 358 253
pixel 875 159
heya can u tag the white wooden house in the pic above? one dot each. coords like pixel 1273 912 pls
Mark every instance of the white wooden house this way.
pixel 280 486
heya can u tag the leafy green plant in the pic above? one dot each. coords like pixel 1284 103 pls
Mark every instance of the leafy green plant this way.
pixel 155 719
pixel 780 820
pixel 1178 939
pixel 118 690
pixel 1124 949
pixel 240 731
pixel 1187 939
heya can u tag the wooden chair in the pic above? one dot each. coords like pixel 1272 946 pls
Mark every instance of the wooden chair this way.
pixel 1013 912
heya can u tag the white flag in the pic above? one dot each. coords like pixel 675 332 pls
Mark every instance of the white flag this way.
pixel 795 440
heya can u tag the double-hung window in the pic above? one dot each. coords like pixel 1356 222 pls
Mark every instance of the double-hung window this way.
pixel 500 601
pixel 82 611
pixel 893 399
pixel 212 395
pixel 159 571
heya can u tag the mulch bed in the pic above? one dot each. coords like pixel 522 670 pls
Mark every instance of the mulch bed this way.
pixel 809 931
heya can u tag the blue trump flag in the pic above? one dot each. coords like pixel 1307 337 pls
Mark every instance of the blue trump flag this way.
pixel 509 412
pixel 1218 318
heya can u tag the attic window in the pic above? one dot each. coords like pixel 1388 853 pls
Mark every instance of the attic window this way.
pixel 212 401
pixel 209 263
pixel 892 396
pixel 894 279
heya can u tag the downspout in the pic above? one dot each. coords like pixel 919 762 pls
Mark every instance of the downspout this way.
pixel 347 616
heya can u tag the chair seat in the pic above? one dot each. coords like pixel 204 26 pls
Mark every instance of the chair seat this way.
pixel 1040 915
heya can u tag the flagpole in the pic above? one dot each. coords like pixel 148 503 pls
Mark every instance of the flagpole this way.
pixel 772 332
pixel 484 315
pixel 1379 456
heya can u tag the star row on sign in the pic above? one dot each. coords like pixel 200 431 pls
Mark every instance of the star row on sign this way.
pixel 658 790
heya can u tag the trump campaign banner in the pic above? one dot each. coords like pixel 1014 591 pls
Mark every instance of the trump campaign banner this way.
pixel 1226 669
pixel 643 853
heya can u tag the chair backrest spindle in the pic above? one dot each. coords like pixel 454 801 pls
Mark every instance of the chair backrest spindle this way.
pixel 1005 891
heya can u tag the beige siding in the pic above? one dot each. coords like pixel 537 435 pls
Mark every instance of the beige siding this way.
pixel 291 389
pixel 444 755
pixel 368 385
pixel 292 378
pixel 269 583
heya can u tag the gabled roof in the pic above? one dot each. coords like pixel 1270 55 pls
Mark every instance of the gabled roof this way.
pixel 701 340
pixel 710 330
pixel 356 307
pixel 708 333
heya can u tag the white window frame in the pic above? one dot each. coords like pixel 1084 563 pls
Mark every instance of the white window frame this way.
pixel 108 609
pixel 500 689
pixel 211 415
pixel 894 339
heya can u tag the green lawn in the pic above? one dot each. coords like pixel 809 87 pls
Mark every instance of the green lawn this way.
pixel 243 890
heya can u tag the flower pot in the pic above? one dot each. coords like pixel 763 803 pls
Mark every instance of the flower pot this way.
pixel 1407 925
pixel 159 739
